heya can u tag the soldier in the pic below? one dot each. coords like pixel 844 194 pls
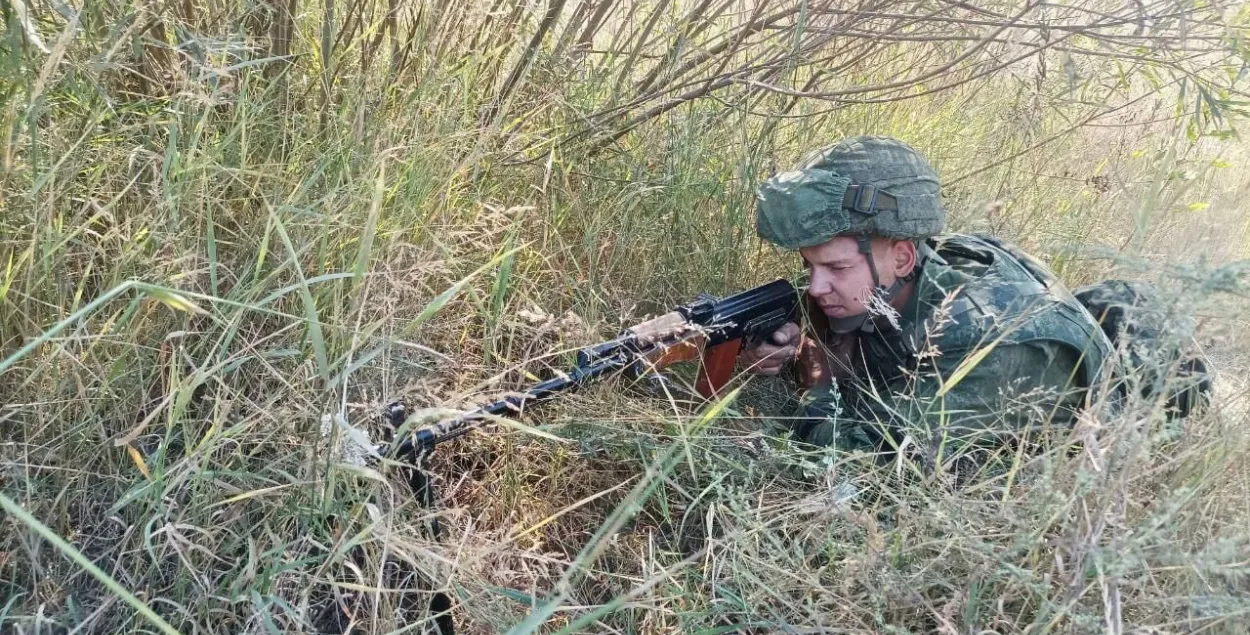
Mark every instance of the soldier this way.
pixel 952 340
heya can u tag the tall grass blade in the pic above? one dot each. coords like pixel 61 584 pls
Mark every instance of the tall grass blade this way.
pixel 313 320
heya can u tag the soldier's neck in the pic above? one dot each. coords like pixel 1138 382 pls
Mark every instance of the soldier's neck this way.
pixel 900 299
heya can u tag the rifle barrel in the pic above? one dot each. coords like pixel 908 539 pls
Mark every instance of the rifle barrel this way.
pixel 751 314
pixel 426 438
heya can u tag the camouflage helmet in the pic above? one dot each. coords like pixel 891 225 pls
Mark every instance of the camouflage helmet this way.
pixel 865 186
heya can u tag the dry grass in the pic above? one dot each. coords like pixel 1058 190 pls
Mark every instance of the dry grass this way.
pixel 219 222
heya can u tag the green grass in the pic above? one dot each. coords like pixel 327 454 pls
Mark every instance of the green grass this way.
pixel 205 247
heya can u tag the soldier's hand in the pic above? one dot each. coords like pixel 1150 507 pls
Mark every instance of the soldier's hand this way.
pixel 769 357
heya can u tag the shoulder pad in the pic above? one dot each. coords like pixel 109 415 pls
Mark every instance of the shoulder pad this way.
pixel 1005 293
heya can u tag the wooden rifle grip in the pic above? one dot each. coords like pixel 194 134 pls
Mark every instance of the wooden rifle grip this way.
pixel 718 367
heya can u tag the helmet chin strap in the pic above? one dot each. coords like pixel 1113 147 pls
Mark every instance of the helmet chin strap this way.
pixel 864 322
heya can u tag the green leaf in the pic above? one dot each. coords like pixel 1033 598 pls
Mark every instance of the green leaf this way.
pixel 173 300
pixel 514 595
pixel 371 226
pixel 210 240
pixel 443 298
pixel 967 365
pixel 7 282
pixel 315 335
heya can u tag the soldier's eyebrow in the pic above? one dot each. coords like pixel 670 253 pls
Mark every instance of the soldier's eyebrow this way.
pixel 832 262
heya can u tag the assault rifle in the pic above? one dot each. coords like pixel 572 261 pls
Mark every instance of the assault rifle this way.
pixel 708 328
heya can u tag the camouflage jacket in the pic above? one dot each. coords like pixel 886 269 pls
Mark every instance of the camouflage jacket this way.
pixel 989 343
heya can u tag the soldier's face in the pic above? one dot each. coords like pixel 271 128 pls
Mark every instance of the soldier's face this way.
pixel 841 280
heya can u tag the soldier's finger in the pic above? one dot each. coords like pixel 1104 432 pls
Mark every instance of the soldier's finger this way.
pixel 754 368
pixel 752 355
pixel 783 353
pixel 772 363
pixel 763 351
pixel 768 367
pixel 786 334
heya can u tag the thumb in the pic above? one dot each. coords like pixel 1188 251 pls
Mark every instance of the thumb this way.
pixel 781 336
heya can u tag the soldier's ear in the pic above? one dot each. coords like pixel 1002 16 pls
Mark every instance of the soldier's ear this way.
pixel 903 257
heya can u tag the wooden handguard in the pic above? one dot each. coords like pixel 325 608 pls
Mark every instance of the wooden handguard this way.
pixel 718 368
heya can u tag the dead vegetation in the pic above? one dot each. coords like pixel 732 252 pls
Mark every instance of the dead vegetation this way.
pixel 220 222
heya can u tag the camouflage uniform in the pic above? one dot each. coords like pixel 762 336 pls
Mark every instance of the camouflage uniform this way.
pixel 1044 351
pixel 1159 352
pixel 988 341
